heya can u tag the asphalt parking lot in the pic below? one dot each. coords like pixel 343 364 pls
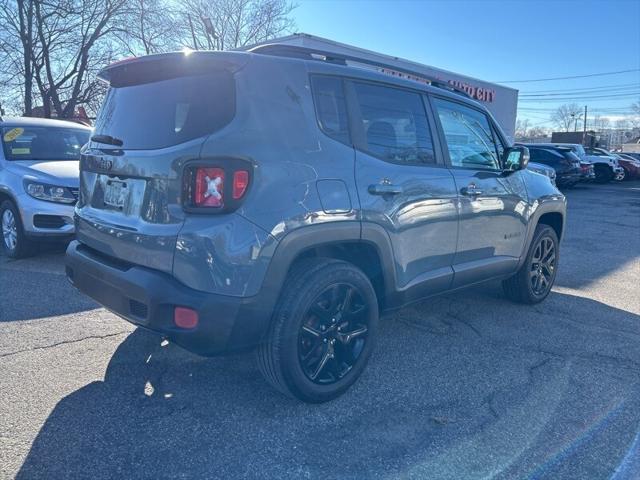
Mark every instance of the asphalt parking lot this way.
pixel 463 386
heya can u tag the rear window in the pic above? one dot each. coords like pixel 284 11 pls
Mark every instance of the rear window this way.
pixel 168 112
pixel 43 143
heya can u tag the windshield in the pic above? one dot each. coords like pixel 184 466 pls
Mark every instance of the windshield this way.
pixel 43 143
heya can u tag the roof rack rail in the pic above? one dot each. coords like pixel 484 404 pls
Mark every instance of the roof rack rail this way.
pixel 306 53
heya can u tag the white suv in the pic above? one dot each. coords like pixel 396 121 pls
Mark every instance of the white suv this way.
pixel 39 169
pixel 605 165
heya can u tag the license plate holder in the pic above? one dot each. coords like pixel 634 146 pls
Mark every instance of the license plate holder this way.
pixel 115 194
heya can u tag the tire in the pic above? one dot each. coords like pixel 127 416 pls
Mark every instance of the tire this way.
pixel 321 361
pixel 523 287
pixel 15 243
pixel 604 174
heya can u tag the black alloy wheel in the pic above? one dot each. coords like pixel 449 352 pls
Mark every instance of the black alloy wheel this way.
pixel 333 334
pixel 535 277
pixel 322 332
pixel 543 265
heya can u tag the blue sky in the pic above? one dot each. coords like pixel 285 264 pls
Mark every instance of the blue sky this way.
pixel 500 40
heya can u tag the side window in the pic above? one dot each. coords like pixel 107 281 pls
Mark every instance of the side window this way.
pixel 395 124
pixel 547 157
pixel 468 136
pixel 331 107
pixel 534 155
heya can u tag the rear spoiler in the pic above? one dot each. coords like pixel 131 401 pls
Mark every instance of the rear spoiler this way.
pixel 163 66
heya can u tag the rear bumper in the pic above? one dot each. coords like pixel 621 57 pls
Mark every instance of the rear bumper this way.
pixel 147 298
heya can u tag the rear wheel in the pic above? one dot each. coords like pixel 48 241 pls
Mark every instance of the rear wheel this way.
pixel 15 243
pixel 322 331
pixel 603 173
pixel 533 281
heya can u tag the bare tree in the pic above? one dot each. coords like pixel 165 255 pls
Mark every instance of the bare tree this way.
pixel 229 24
pixel 73 38
pixel 538 132
pixel 635 118
pixel 16 49
pixel 151 26
pixel 601 123
pixel 566 116
pixel 522 127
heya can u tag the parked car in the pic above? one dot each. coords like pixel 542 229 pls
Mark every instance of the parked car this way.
pixel 588 172
pixel 605 165
pixel 38 181
pixel 561 159
pixel 630 164
pixel 279 200
pixel 543 170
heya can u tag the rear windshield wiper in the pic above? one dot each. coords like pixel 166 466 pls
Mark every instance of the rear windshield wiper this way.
pixel 108 139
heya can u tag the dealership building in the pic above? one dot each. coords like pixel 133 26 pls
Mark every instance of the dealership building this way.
pixel 501 101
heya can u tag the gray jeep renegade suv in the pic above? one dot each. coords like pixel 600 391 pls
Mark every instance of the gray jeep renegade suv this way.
pixel 279 200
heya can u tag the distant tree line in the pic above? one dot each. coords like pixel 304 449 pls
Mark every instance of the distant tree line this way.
pixel 51 50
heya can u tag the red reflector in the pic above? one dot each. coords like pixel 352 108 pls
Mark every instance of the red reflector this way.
pixel 185 317
pixel 240 183
pixel 209 188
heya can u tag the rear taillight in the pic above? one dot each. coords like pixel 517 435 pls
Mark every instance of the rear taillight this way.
pixel 216 188
pixel 209 187
pixel 240 183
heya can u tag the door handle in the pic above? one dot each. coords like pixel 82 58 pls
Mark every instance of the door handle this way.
pixel 384 189
pixel 471 190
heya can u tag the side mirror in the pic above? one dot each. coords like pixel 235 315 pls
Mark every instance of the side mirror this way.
pixel 516 158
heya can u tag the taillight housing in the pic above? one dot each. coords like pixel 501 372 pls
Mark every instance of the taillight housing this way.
pixel 217 186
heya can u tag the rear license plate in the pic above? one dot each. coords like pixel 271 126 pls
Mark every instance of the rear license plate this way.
pixel 115 194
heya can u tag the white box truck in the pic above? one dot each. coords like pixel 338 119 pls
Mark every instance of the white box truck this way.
pixel 501 101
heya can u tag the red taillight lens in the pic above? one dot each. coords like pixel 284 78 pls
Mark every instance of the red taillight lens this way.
pixel 209 187
pixel 240 183
pixel 185 317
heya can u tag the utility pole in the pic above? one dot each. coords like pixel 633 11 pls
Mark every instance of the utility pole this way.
pixel 584 131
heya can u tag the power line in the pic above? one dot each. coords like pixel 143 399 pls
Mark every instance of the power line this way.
pixel 597 98
pixel 569 90
pixel 571 77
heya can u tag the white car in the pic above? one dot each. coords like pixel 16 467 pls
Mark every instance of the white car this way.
pixel 606 165
pixel 39 170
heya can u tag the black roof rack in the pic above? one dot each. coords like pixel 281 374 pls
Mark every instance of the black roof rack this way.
pixel 305 53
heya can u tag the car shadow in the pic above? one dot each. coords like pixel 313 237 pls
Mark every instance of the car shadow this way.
pixel 463 386
pixel 36 287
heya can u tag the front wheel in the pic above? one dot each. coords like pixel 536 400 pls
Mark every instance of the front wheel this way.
pixel 533 281
pixel 15 243
pixel 322 331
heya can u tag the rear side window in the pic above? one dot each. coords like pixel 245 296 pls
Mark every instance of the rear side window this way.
pixel 331 107
pixel 168 112
pixel 43 143
pixel 548 157
pixel 395 124
pixel 468 136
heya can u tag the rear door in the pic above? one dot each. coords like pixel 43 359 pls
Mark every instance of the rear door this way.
pixel 404 186
pixel 492 203
pixel 155 117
